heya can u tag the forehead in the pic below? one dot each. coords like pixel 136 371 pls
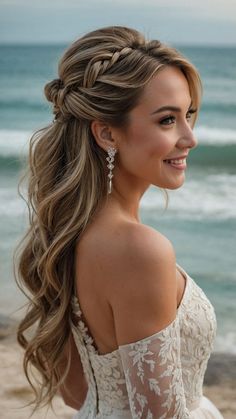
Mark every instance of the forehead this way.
pixel 168 87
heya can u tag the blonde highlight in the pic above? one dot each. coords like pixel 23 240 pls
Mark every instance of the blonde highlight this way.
pixel 101 76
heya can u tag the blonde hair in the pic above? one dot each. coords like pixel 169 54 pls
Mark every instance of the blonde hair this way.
pixel 101 76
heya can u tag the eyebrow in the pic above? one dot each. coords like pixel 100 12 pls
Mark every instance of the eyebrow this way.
pixel 169 108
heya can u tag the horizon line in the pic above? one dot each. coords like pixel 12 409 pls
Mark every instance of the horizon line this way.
pixel 67 43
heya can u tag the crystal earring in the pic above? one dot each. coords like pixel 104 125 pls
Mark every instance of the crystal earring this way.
pixel 111 153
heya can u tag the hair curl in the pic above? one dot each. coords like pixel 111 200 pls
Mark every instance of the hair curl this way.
pixel 101 76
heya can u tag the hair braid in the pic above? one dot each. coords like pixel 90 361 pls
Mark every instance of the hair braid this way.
pixel 101 76
pixel 100 64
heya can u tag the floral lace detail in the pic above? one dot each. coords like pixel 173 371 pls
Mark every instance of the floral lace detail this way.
pixel 160 376
pixel 198 330
pixel 111 383
pixel 153 373
pixel 105 370
pixel 88 340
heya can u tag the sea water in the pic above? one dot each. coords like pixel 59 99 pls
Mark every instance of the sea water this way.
pixel 201 218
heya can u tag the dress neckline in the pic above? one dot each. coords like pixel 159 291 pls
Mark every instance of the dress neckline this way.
pixel 187 280
pixel 88 337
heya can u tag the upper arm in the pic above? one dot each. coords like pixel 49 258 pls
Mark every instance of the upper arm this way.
pixel 74 388
pixel 147 328
pixel 143 296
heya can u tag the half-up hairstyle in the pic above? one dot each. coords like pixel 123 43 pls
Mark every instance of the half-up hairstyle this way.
pixel 101 76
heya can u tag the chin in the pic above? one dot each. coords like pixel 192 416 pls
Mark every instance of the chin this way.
pixel 173 188
pixel 177 183
pixel 172 185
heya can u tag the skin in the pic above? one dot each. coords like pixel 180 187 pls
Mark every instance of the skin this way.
pixel 136 253
pixel 145 143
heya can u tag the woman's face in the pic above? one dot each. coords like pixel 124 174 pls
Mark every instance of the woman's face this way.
pixel 153 148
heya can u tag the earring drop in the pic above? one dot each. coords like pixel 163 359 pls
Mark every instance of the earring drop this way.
pixel 111 154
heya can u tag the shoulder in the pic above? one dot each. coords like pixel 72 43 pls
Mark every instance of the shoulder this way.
pixel 121 241
pixel 143 287
pixel 147 241
pixel 140 246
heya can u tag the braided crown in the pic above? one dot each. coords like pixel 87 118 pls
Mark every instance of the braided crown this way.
pixel 56 91
pixel 89 88
pixel 100 64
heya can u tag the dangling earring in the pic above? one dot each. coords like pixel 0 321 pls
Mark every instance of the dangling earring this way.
pixel 111 153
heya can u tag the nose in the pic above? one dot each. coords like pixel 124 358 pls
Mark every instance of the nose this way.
pixel 187 138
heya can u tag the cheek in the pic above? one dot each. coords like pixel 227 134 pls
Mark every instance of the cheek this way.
pixel 164 142
pixel 160 145
pixel 144 145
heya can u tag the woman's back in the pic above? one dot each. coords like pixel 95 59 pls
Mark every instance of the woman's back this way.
pixel 101 267
pixel 92 283
pixel 157 376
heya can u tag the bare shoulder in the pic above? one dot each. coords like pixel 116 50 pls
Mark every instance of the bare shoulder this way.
pixel 141 248
pixel 148 241
pixel 143 287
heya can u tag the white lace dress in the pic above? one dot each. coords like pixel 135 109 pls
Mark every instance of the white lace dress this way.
pixel 160 376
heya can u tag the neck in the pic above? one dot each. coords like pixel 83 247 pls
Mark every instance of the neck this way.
pixel 126 198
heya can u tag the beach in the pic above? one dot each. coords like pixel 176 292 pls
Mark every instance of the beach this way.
pixel 15 392
pixel 200 220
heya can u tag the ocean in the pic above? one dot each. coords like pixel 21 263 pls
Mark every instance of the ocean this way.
pixel 201 217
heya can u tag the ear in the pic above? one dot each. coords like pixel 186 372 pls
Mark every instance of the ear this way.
pixel 103 134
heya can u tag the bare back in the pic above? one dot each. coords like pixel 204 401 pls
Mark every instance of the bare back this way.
pixel 95 278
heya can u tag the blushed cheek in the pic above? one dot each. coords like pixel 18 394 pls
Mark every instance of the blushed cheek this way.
pixel 160 149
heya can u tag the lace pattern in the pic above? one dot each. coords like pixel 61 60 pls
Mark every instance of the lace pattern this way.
pixel 154 377
pixel 160 376
pixel 106 376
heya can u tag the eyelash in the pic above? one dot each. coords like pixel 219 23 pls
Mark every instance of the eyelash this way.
pixel 171 117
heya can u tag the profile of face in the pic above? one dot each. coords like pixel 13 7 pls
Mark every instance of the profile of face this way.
pixel 153 147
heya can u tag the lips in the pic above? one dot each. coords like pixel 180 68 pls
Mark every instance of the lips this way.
pixel 177 162
pixel 177 158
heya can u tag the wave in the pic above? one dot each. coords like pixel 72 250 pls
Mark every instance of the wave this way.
pixel 14 143
pixel 223 156
pixel 203 197
pixel 216 147
pixel 26 104
pixel 222 106
pixel 13 149
pixel 12 205
pixel 226 343
pixel 215 136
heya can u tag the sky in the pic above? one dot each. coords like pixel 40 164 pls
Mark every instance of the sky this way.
pixel 199 22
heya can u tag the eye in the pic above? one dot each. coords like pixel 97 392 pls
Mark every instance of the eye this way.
pixel 190 113
pixel 168 120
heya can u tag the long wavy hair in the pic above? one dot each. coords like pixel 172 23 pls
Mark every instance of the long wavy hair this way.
pixel 101 76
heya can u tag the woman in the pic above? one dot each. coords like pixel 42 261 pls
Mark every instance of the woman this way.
pixel 120 330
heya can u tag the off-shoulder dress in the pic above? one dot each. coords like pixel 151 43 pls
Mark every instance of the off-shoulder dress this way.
pixel 158 377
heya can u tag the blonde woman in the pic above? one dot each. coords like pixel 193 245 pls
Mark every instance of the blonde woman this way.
pixel 117 327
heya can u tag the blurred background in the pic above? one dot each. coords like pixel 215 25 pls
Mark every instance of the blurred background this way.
pixel 201 218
